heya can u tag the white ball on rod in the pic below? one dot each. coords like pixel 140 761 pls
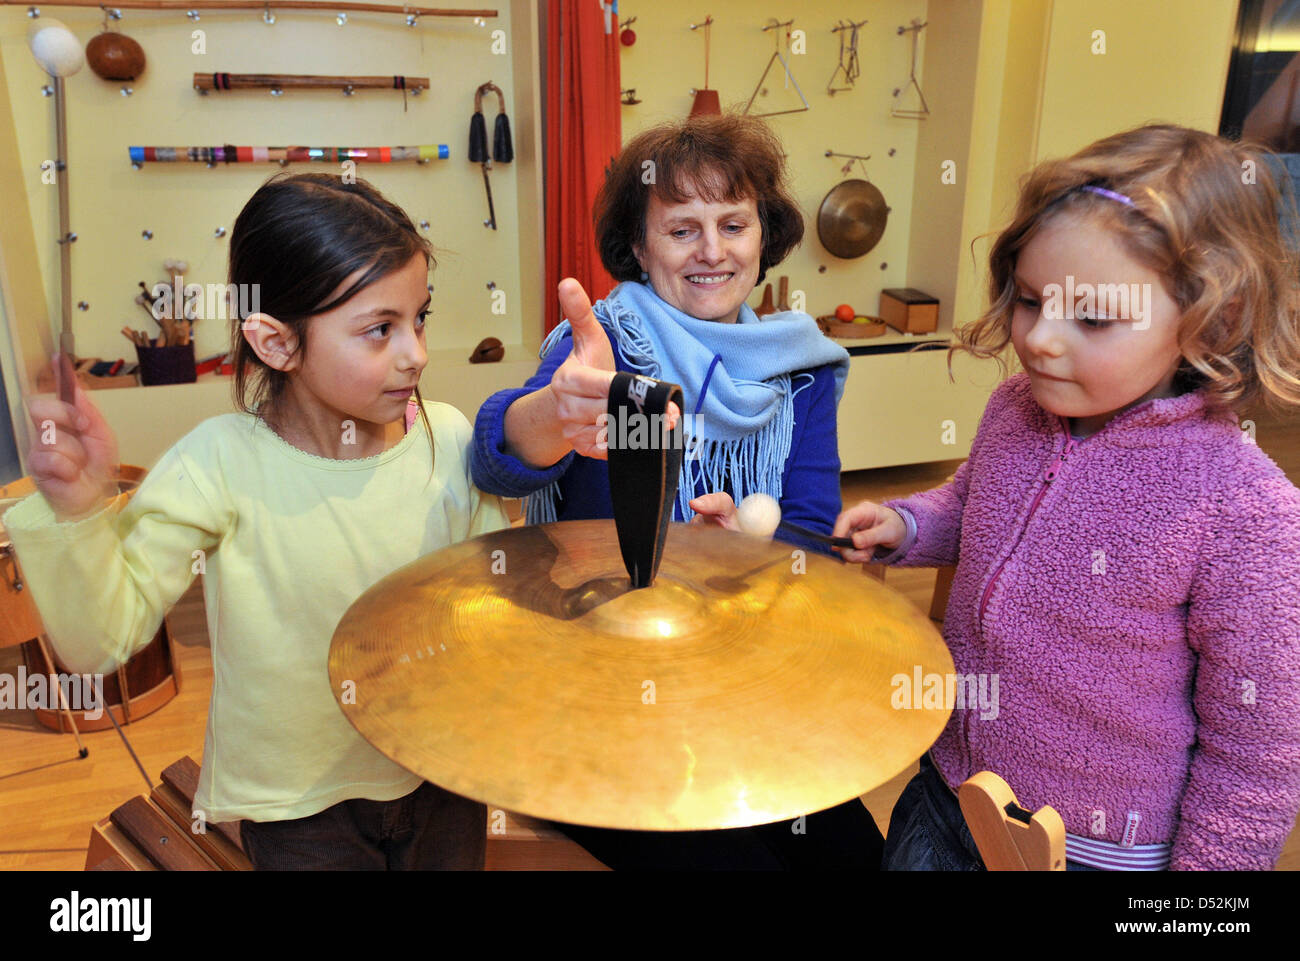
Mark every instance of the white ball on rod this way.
pixel 759 514
pixel 55 47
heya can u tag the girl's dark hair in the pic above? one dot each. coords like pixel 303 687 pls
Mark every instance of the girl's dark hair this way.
pixel 723 158
pixel 298 239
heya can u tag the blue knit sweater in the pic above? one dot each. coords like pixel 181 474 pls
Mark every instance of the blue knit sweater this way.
pixel 810 482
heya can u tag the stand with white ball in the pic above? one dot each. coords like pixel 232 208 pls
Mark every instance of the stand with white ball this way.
pixel 760 515
pixel 59 54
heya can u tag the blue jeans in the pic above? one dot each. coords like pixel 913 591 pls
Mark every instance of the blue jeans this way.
pixel 428 830
pixel 928 833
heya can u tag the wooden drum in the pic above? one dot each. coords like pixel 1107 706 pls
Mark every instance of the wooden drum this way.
pixel 139 687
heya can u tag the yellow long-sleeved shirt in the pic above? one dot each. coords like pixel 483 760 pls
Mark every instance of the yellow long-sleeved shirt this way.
pixel 288 540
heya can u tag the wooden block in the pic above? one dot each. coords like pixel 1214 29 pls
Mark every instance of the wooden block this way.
pixel 1042 843
pixel 909 310
pixel 216 845
pixel 520 827
pixel 503 855
pixel 131 838
pixel 987 822
pixel 112 863
pixel 183 778
pixel 158 837
pixel 106 842
pixel 519 843
pixel 1006 843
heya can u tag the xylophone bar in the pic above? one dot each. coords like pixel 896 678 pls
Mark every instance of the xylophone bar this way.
pixel 229 154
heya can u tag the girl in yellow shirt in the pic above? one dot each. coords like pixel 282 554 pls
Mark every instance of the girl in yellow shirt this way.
pixel 291 508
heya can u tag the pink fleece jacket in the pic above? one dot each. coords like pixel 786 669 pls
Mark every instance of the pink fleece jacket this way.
pixel 1137 595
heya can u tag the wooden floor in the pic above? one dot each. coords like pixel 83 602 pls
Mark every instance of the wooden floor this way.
pixel 49 798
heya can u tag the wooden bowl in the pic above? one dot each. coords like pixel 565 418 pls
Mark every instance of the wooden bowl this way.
pixel 874 327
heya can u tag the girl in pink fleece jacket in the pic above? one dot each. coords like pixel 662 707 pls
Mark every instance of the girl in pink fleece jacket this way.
pixel 1128 560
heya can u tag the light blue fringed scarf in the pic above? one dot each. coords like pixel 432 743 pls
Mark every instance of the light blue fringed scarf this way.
pixel 741 433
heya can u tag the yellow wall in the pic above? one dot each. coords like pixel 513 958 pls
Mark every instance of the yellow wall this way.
pixel 949 149
pixel 1002 131
pixel 1163 62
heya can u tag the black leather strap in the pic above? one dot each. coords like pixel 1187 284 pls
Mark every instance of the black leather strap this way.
pixel 645 460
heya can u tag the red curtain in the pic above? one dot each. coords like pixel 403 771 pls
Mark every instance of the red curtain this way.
pixel 583 134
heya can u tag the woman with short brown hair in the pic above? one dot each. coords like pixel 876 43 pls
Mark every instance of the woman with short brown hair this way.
pixel 727 157
pixel 690 218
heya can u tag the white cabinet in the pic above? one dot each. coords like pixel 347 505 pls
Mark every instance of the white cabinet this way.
pixel 902 409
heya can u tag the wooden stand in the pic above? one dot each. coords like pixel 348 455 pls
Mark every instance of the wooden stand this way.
pixel 158 833
pixel 1010 838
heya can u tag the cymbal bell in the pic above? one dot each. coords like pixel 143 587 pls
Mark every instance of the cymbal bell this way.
pixel 750 683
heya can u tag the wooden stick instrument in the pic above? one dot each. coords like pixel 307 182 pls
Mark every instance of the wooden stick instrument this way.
pixel 263 81
pixel 230 154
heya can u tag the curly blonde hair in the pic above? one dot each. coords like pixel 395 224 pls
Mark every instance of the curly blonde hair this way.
pixel 1205 216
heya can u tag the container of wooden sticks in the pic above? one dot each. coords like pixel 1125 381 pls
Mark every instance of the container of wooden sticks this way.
pixel 166 365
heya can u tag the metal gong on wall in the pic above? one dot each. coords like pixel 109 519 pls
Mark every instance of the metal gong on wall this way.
pixel 852 218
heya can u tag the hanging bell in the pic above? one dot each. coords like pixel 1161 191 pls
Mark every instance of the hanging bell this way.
pixel 706 102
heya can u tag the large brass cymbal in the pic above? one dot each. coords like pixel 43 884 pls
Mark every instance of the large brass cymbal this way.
pixel 520 669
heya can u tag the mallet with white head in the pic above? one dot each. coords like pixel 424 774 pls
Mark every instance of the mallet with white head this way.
pixel 760 514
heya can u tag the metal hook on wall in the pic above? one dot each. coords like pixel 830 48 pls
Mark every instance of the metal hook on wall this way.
pixel 852 159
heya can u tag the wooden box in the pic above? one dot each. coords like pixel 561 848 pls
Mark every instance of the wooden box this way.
pixel 909 310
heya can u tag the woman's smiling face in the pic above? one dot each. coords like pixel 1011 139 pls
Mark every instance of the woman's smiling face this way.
pixel 702 256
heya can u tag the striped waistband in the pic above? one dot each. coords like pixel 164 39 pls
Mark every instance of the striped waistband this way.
pixel 1109 856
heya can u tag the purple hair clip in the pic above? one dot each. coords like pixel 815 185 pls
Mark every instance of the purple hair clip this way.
pixel 1108 193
